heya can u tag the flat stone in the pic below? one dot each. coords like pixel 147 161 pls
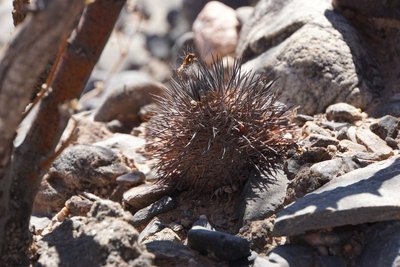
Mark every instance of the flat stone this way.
pixel 146 214
pixel 169 253
pixel 364 195
pixel 348 145
pixel 312 128
pixel 374 143
pixel 131 178
pixel 262 196
pixel 343 112
pixel 329 169
pixel 225 246
pixel 319 140
pixel 144 195
pixel 382 245
pixel 386 126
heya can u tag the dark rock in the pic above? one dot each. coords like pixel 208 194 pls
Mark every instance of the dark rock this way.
pixel 78 168
pixel 335 126
pixel 373 143
pixel 291 256
pixel 392 143
pixel 318 140
pixel 131 179
pixel 343 112
pixel 365 195
pixel 204 223
pixel 262 196
pixel 301 43
pixel 382 245
pixel 370 8
pixel 146 214
pixel 331 261
pixel 141 196
pixel 173 254
pixel 225 246
pixel 301 119
pixel 386 126
pixel 123 102
pixel 103 240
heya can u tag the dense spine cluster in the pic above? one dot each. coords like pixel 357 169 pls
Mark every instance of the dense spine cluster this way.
pixel 215 125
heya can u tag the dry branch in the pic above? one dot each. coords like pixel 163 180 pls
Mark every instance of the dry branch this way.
pixel 25 59
pixel 81 54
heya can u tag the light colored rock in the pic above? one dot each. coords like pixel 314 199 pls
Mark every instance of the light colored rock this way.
pixel 373 143
pixel 311 128
pixel 351 146
pixel 78 168
pixel 364 195
pixel 343 112
pixel 164 234
pixel 215 31
pixel 316 53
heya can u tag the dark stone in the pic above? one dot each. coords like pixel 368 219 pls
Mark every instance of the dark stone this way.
pixel 225 246
pixel 301 119
pixel 169 253
pixel 146 214
pixel 151 228
pixel 331 261
pixel 262 196
pixel 382 246
pixel 364 195
pixel 131 179
pixel 386 126
pixel 292 256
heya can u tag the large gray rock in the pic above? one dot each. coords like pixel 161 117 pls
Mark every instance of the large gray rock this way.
pixel 105 238
pixel 78 168
pixel 364 195
pixel 262 196
pixel 316 53
pixel 123 101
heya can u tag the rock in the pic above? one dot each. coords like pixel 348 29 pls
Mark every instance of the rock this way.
pixel 316 52
pixel 146 214
pixel 343 112
pixel 128 146
pixel 158 46
pixel 123 102
pixel 215 31
pixel 291 256
pixel 225 246
pixel 39 223
pixel 262 196
pixel 335 126
pixel 331 261
pixel 386 126
pixel 165 234
pixel 329 169
pixel 154 226
pixel 78 206
pixel 382 245
pixel 116 126
pixel 347 145
pixel 369 8
pixel 312 128
pixel 169 253
pixel 203 222
pixel 131 179
pixel 243 14
pixel 373 143
pixel 104 240
pixel 319 140
pixel 365 195
pixel 144 195
pixel 6 23
pixel 78 168
pixel 301 119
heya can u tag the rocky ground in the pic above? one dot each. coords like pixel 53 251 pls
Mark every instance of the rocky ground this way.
pixel 336 201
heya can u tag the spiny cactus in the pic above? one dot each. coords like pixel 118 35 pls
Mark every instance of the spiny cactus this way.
pixel 215 125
